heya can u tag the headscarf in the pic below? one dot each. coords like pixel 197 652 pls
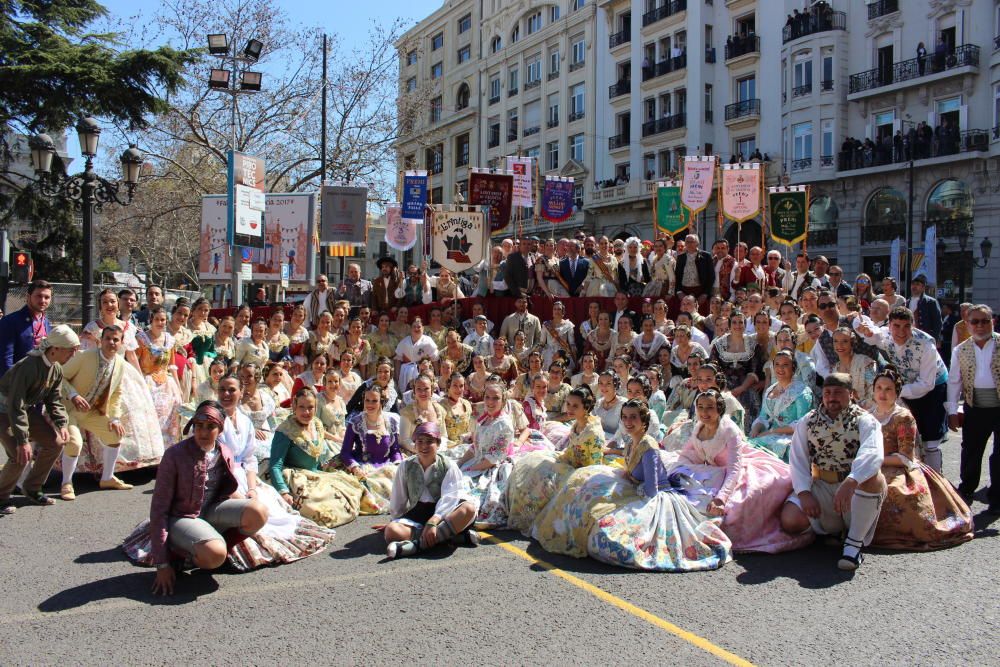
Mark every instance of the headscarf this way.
pixel 626 258
pixel 208 411
pixel 61 336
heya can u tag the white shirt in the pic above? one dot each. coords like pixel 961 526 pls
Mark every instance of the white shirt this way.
pixel 481 345
pixel 927 371
pixel 776 325
pixel 792 281
pixel 984 375
pixel 453 491
pixel 914 300
pixel 698 336
pixel 423 348
pixel 867 462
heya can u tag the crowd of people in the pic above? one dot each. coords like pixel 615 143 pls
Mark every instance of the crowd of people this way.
pixel 708 403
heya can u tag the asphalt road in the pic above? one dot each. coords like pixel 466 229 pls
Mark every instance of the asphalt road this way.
pixel 69 597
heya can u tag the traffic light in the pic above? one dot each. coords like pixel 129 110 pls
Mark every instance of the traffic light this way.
pixel 20 267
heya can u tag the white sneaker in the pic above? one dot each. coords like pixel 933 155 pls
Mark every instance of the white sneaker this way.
pixel 392 550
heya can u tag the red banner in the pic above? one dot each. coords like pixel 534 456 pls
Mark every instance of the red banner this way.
pixel 495 191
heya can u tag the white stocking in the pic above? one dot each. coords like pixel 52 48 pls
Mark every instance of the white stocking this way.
pixel 68 467
pixel 864 515
pixel 110 457
pixel 932 454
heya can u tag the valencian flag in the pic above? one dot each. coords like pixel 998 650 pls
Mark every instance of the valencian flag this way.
pixel 789 213
pixel 414 195
pixel 557 199
pixel 459 239
pixel 670 218
pixel 494 190
pixel 741 191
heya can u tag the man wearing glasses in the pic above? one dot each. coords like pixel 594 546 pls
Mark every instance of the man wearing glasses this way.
pixel 775 274
pixel 837 284
pixel 926 310
pixel 975 377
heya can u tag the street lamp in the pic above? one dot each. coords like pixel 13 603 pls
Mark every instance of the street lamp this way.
pixel 985 249
pixel 88 191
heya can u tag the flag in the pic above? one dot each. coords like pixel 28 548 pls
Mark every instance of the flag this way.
pixel 400 232
pixel 495 191
pixel 520 168
pixel 697 182
pixel 557 199
pixel 670 218
pixel 414 195
pixel 928 265
pixel 789 214
pixel 741 191
pixel 459 239
pixel 894 259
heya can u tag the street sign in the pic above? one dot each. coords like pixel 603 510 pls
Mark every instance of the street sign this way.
pixel 246 270
pixel 285 271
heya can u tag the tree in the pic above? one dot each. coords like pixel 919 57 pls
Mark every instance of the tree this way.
pixel 51 69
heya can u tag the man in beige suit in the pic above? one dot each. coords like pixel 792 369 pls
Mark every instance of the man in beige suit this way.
pixel 92 384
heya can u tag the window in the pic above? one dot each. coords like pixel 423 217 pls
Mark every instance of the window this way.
pixel 496 44
pixel 554 109
pixel 434 159
pixel 411 57
pixel 436 106
pixel 552 155
pixel 802 77
pixel 463 189
pixel 745 146
pixel 534 23
pixel 827 83
pixel 746 89
pixel 464 54
pixel 411 84
pixel 462 150
pixel 515 34
pixel 576 101
pixel 553 13
pixel 578 4
pixel 534 73
pixel 494 133
pixel 579 51
pixel 464 23
pixel 802 141
pixel 533 152
pixel 554 63
pixel 437 70
pixel 463 97
pixel 410 161
pixel 494 90
pixel 708 103
pixel 885 216
pixel 996 105
pixel 512 125
pixel 576 148
pixel 826 149
pixel 512 79
pixel 437 41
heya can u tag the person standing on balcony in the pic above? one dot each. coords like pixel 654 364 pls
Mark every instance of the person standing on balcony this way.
pixel 921 58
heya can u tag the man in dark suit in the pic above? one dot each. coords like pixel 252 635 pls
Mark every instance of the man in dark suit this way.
pixel 516 269
pixel 698 283
pixel 622 310
pixel 573 268
pixel 22 330
pixel 926 310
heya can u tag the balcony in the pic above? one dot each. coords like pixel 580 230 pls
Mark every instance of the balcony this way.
pixel 553 122
pixel 825 160
pixel 826 85
pixel 623 87
pixel 623 36
pixel 529 131
pixel 663 11
pixel 494 100
pixel 512 134
pixel 965 56
pixel 619 141
pixel 740 46
pixel 801 91
pixel 664 124
pixel 710 55
pixel 576 115
pixel 577 65
pixel 664 67
pixel 881 8
pixel 511 92
pixel 802 164
pixel 880 155
pixel 949 227
pixel 744 109
pixel 553 76
pixel 813 23
pixel 708 115
pixel 882 233
pixel 528 85
pixel 823 237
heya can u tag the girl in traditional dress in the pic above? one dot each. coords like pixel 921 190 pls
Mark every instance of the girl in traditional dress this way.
pixel 355 343
pixel 457 352
pixel 457 411
pixel 608 407
pixel 142 445
pixel 663 263
pixel 602 274
pixel 298 337
pixel 258 406
pixel 423 409
pixel 633 272
pixel 587 374
pixel 593 315
pixel 331 408
pixel 740 358
pixel 314 376
pixel 805 368
pixel 556 392
pixel 202 343
pixel 646 346
pixel 547 278
pixel 521 388
pixel 349 380
pixel 244 315
pixel 600 341
pixel 922 510
pixel 657 399
pixel 322 338
pixel 475 383
pixel 623 338
pixel 682 350
pixel 661 322
pixel 785 402
pixel 447 287
pixel 254 348
pixel 400 328
pixel 520 351
pixel 860 367
pixel 177 327
pixel 224 343
pixel 383 342
pixel 156 360
pixel 371 450
pixel 383 378
pixel 534 403
pixel 274 383
pixel 209 389
pixel 501 363
pixel 622 366
pixel 277 340
pixel 557 334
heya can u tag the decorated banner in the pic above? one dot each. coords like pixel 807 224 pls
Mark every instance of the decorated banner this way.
pixel 740 191
pixel 246 201
pixel 697 182
pixel 343 214
pixel 414 195
pixel 927 266
pixel 670 218
pixel 894 260
pixel 789 213
pixel 290 221
pixel 520 168
pixel 557 199
pixel 495 191
pixel 458 239
pixel 400 232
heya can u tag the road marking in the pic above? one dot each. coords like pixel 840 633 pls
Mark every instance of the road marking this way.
pixel 625 606
pixel 237 591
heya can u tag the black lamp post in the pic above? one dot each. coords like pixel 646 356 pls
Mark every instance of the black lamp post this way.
pixel 985 249
pixel 88 191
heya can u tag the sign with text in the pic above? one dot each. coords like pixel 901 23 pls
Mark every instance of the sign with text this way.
pixel 557 199
pixel 245 214
pixel 670 218
pixel 400 232
pixel 414 195
pixel 741 191
pixel 459 239
pixel 520 168
pixel 343 211
pixel 697 182
pixel 789 214
pixel 495 191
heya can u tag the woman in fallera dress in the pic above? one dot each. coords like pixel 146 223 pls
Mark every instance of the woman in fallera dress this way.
pixel 785 402
pixel 156 360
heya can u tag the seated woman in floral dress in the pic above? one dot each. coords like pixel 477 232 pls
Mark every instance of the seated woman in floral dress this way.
pixel 741 359
pixel 534 403
pixel 662 530
pixel 646 346
pixel 600 340
pixel 657 399
pixel 383 378
pixel 331 408
pixel 209 389
pixel 298 339
pixel 277 341
pixel 587 374
pixel 258 406
pixel 371 449
pixel 557 392
pixel 785 402
pixel 609 403
pixel 349 379
pixel 457 412
pixel 805 367
pixel 922 511
pixel 521 388
pixel 299 449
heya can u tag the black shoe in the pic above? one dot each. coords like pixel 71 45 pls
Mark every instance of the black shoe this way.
pixel 967 496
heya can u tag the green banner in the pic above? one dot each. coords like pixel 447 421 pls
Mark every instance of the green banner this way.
pixel 789 216
pixel 670 218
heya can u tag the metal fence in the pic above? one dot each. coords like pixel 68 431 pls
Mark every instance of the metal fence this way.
pixel 67 307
